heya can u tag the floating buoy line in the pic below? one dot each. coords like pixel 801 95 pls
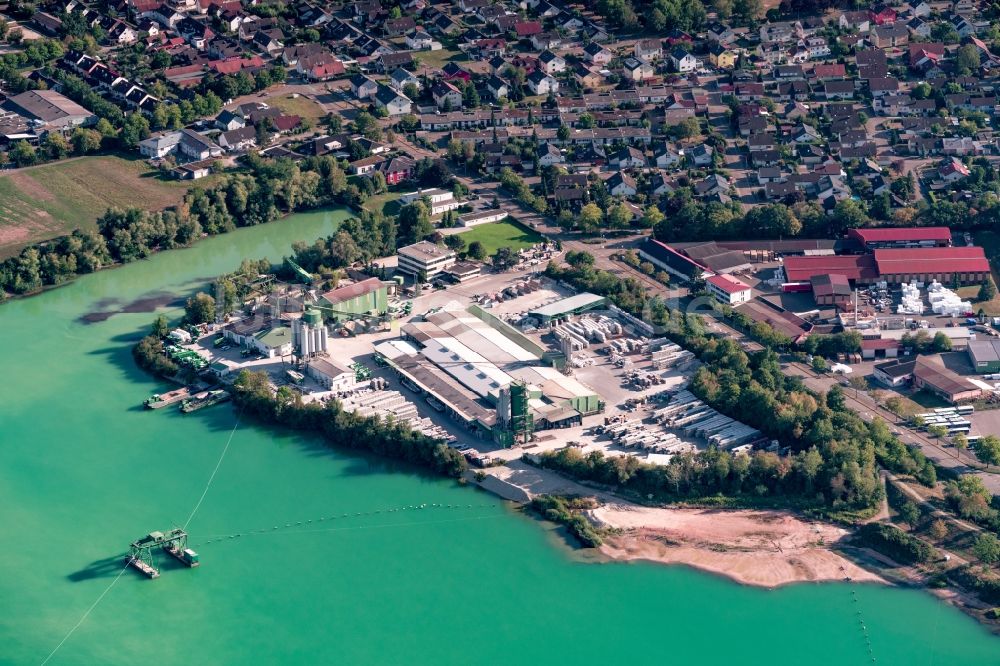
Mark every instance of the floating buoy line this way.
pixel 293 528
pixel 861 620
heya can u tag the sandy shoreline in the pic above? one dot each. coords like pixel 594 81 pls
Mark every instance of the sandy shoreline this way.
pixel 763 548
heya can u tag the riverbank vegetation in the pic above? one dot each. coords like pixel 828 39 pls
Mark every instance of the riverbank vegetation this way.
pixel 567 511
pixel 263 191
pixel 897 544
pixel 253 395
pixel 148 355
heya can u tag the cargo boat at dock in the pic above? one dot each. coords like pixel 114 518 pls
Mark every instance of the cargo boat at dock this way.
pixel 158 400
pixel 204 399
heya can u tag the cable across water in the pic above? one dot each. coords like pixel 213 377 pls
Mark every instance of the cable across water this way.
pixel 85 615
pixel 218 464
pixel 213 538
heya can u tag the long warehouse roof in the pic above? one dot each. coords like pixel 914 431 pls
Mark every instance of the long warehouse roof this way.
pixel 931 260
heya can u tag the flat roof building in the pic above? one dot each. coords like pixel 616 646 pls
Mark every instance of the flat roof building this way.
pixel 466 362
pixel 427 257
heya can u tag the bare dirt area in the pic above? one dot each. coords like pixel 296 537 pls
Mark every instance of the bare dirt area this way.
pixel 764 548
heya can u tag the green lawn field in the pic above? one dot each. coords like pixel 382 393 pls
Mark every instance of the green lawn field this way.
pixel 501 234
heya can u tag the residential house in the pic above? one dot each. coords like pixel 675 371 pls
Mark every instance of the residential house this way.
pixel 238 140
pixel 701 155
pixel 400 78
pixel 834 90
pixel 546 40
pixel 597 54
pixel 397 169
pixel 886 36
pixel 952 170
pixel 722 57
pixel 419 40
pixel 446 96
pixel 550 63
pixel 621 185
pixel 682 61
pixel 637 70
pixel 541 83
pixel 648 50
pixel 720 33
pixel 160 145
pixel 549 155
pixel 227 120
pixel 586 77
pixel 453 70
pixel 363 87
pixel 197 147
pixel 628 158
pixel 497 87
pixel 859 21
pixel 712 185
pixel 394 103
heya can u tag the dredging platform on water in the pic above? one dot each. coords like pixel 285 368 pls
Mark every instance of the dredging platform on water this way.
pixel 142 552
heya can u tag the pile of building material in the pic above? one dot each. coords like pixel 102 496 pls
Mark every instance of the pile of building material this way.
pixel 671 356
pixel 393 403
pixel 913 302
pixel 643 380
pixel 687 413
pixel 597 329
pixel 946 302
pixel 625 346
pixel 636 434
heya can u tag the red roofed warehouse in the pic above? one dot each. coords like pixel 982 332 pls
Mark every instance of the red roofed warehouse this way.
pixel 729 290
pixel 879 348
pixel 966 265
pixel 860 268
pixel 902 237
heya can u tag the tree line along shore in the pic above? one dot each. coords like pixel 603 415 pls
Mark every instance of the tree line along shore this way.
pixel 262 191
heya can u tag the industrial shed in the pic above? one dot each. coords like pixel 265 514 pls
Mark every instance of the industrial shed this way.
pixel 967 265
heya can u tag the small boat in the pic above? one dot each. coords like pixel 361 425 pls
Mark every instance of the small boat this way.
pixel 204 399
pixel 158 400
pixel 186 556
pixel 435 403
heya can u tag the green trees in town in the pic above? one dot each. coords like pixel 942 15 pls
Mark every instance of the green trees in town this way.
pixel 988 449
pixel 199 309
pixel 414 223
pixel 987 290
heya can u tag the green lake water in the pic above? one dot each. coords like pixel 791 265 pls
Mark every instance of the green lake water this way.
pixel 84 471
